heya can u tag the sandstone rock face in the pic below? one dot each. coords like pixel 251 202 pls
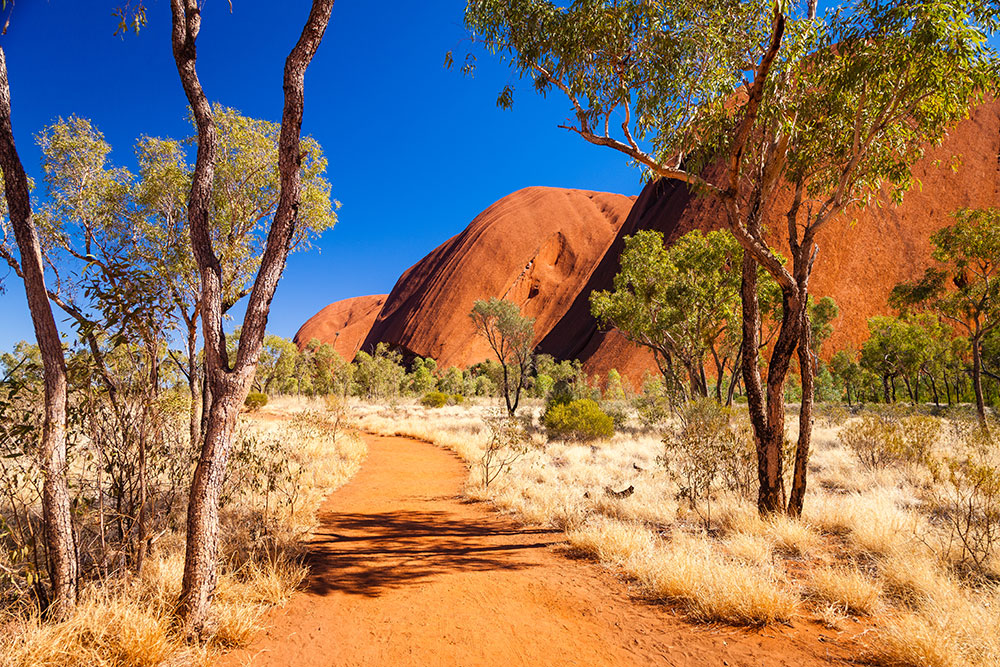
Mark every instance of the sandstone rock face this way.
pixel 536 247
pixel 547 249
pixel 343 324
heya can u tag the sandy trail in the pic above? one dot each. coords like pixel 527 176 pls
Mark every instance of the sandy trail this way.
pixel 405 572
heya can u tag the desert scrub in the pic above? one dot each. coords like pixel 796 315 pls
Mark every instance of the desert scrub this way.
pixel 128 618
pixel 882 440
pixel 506 442
pixel 709 448
pixel 872 538
pixel 920 437
pixel 874 439
pixel 581 419
pixel 439 399
pixel 968 500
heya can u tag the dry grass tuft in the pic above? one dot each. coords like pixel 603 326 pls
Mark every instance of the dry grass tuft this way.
pixel 789 536
pixel 848 588
pixel 950 631
pixel 750 549
pixel 913 578
pixel 611 541
pixel 710 586
pixel 111 630
pixel 873 522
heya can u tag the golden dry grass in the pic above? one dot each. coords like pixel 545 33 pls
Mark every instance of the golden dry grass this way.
pixel 130 621
pixel 953 629
pixel 707 583
pixel 847 588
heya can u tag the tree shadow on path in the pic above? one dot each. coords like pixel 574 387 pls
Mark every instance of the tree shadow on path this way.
pixel 371 553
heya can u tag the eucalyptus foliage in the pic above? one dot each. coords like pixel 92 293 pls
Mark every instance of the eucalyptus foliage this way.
pixel 681 301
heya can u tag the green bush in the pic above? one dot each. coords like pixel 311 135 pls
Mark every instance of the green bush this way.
pixel 581 419
pixel 434 399
pixel 439 399
pixel 653 404
pixel 618 411
pixel 255 401
pixel 562 393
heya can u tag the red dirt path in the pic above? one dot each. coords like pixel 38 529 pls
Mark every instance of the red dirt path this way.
pixel 406 572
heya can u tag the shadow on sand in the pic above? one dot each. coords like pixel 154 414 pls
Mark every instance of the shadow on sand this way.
pixel 368 554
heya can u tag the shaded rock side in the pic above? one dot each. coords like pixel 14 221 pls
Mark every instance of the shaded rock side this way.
pixel 536 247
pixel 343 324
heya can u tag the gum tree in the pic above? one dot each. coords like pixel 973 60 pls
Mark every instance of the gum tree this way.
pixel 52 448
pixel 56 508
pixel 675 300
pixel 229 380
pixel 772 113
pixel 246 183
pixel 510 336
pixel 965 288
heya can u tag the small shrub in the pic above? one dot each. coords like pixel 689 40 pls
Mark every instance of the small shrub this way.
pixel 653 406
pixel 255 401
pixel 738 468
pixel 618 411
pixel 581 419
pixel 831 415
pixel 694 451
pixel 506 443
pixel 434 399
pixel 439 399
pixel 969 501
pixel 881 440
pixel 708 446
pixel 564 391
pixel 920 435
pixel 337 408
pixel 876 440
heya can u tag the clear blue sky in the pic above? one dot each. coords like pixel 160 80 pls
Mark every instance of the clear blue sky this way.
pixel 415 151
